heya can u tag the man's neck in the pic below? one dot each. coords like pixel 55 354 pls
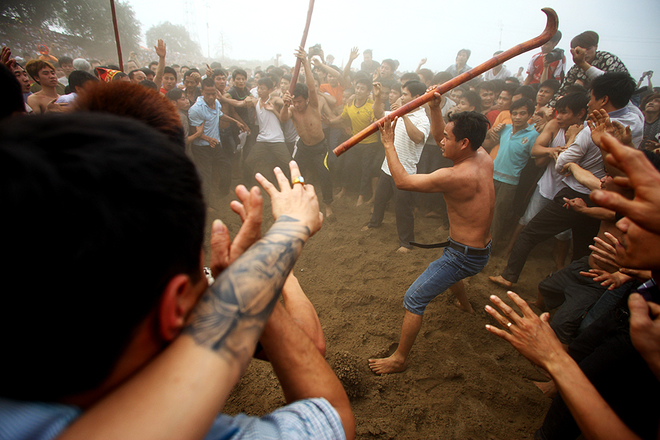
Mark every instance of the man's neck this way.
pixel 497 69
pixel 651 117
pixel 47 90
pixel 515 130
pixel 211 105
pixel 359 102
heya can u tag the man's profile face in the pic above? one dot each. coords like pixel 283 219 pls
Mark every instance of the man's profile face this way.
pixel 406 97
pixel 519 117
pixel 209 94
pixel 504 100
pixel 299 104
pixel 394 95
pixel 182 103
pixel 22 77
pixel 595 104
pixel 169 81
pixel 638 248
pixel 653 106
pixel 449 145
pixel 544 95
pixel 239 81
pixel 47 77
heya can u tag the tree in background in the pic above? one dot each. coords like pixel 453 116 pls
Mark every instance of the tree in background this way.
pixel 177 37
pixel 89 19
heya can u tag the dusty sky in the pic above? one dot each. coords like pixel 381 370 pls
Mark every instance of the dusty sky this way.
pixel 414 29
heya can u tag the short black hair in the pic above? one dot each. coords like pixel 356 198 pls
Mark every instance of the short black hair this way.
pixel 126 214
pixel 410 76
pixel 78 78
pixel 364 81
pixel 175 94
pixel 147 71
pixel 218 72
pixel 575 102
pixel 471 126
pixel 301 90
pixel 237 72
pixel 441 77
pixel 394 64
pixel 266 81
pixel 617 86
pixel 551 84
pixel 526 91
pixel 168 69
pixel 473 98
pixel 524 102
pixel 416 88
pixel 150 85
pixel 65 60
pixel 208 82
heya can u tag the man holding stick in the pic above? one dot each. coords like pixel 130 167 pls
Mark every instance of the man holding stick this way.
pixel 312 147
pixel 470 196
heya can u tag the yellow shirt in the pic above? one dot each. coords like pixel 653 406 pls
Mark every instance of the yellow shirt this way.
pixel 360 118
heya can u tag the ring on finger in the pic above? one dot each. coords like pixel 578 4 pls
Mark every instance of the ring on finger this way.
pixel 509 324
pixel 299 180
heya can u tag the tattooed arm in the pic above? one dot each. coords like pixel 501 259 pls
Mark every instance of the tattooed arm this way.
pixel 180 392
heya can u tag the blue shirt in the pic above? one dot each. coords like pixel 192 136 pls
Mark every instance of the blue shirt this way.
pixel 200 113
pixel 515 151
pixel 304 419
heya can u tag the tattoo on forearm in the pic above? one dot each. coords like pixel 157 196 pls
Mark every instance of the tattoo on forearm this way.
pixel 232 313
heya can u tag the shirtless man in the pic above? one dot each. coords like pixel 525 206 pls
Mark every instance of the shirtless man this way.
pixel 44 74
pixel 470 195
pixel 312 148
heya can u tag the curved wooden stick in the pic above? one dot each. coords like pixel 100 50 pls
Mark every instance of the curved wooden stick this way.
pixel 114 24
pixel 549 31
pixel 296 70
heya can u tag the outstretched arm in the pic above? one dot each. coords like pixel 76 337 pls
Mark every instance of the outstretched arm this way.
pixel 534 338
pixel 179 393
pixel 161 51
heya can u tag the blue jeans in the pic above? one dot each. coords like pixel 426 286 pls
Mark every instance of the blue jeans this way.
pixel 444 272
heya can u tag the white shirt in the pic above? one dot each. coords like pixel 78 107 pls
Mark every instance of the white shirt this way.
pixel 408 151
pixel 551 181
pixel 270 129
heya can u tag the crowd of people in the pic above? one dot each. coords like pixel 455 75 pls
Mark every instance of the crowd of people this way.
pixel 129 162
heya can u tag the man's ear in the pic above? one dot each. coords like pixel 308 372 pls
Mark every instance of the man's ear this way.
pixel 176 302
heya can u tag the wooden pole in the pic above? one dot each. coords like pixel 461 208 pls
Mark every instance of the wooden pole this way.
pixel 114 23
pixel 550 30
pixel 296 70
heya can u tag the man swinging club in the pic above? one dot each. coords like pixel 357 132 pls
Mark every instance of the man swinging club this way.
pixel 470 196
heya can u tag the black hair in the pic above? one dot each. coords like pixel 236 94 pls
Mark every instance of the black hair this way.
pixel 471 126
pixel 617 86
pixel 473 98
pixel 168 69
pixel 426 74
pixel 585 40
pixel 208 82
pixel 125 215
pixel 509 88
pixel 524 102
pixel 416 88
pixel 556 37
pixel 266 81
pixel 441 77
pixel 218 72
pixel 467 52
pixel 513 80
pixel 65 60
pixel 147 71
pixel 364 81
pixel 526 91
pixel 151 85
pixel 237 72
pixel 80 77
pixel 175 94
pixel 575 102
pixel 487 85
pixel 301 90
pixel 189 72
pixel 394 64
pixel 551 84
pixel 216 65
pixel 410 76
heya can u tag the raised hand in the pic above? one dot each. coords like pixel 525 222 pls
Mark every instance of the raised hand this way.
pixel 161 49
pixel 355 52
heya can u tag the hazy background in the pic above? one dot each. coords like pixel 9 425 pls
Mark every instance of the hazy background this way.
pixel 410 30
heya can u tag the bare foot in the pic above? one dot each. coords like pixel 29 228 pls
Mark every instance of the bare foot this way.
pixel 403 250
pixel 467 309
pixel 365 228
pixel 340 194
pixel 432 214
pixel 360 201
pixel 328 211
pixel 387 365
pixel 501 281
pixel 549 389
pixel 370 201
